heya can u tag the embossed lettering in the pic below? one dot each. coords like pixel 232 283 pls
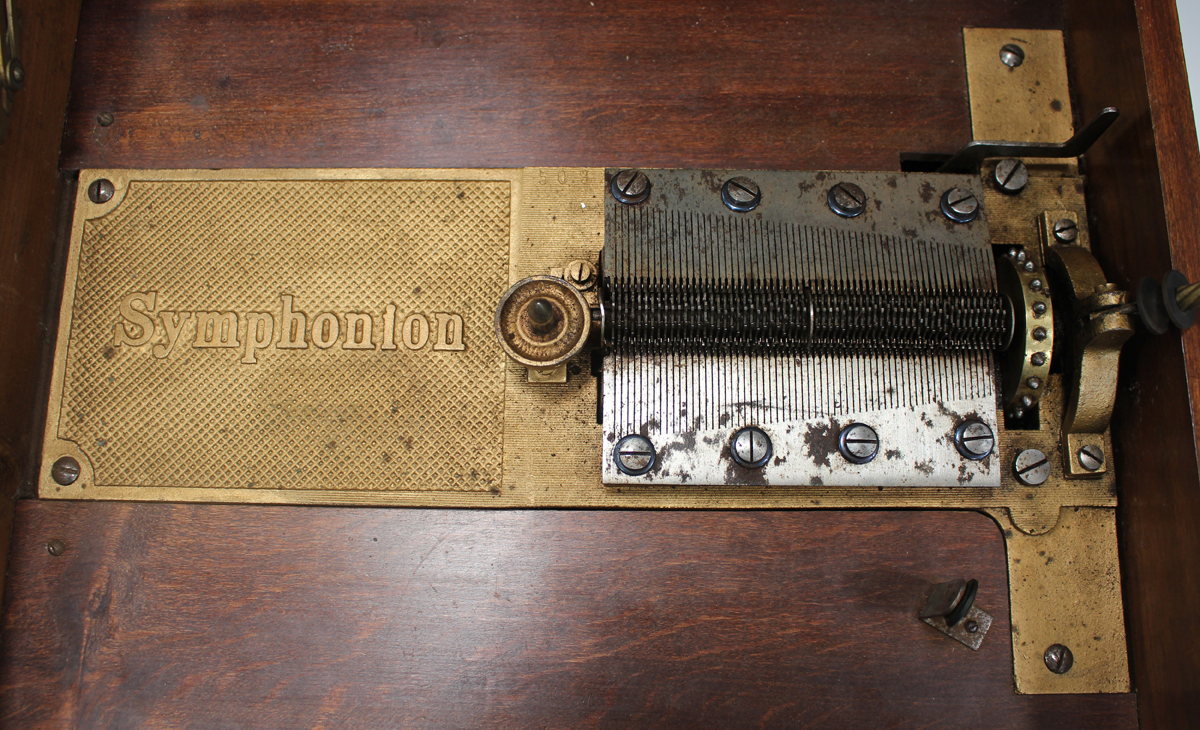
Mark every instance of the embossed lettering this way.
pixel 325 330
pixel 292 326
pixel 358 332
pixel 415 332
pixel 173 323
pixel 216 329
pixel 137 320
pixel 260 329
pixel 449 332
pixel 389 328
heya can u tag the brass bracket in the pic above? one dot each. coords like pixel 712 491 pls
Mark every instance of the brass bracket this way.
pixel 12 71
pixel 1101 327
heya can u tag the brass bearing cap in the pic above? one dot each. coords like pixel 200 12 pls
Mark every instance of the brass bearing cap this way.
pixel 542 321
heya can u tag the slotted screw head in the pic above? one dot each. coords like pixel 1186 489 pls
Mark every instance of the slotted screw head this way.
pixel 741 194
pixel 1010 176
pixel 56 547
pixel 101 191
pixel 1032 467
pixel 1012 55
pixel 974 439
pixel 105 119
pixel 847 200
pixel 1059 659
pixel 630 186
pixel 960 205
pixel 1065 230
pixel 634 455
pixel 65 471
pixel 1091 457
pixel 750 447
pixel 581 273
pixel 859 443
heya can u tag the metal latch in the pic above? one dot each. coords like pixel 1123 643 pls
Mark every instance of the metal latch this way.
pixel 12 72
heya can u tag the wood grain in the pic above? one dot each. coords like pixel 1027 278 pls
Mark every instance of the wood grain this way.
pixel 1145 220
pixel 818 85
pixel 30 189
pixel 225 616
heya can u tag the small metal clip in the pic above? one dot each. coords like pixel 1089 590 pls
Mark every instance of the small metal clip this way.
pixel 951 609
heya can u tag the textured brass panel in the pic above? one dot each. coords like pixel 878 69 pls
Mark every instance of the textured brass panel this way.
pixel 1028 103
pixel 411 399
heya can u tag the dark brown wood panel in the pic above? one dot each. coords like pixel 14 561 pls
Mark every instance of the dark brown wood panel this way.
pixel 212 616
pixel 845 84
pixel 1143 202
pixel 29 213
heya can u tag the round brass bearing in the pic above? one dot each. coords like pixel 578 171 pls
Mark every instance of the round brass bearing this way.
pixel 542 321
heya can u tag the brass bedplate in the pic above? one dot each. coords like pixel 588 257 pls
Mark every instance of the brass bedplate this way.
pixel 328 337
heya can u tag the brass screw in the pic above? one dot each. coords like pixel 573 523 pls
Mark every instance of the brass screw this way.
pixel 581 274
pixel 56 547
pixel 105 119
pixel 65 471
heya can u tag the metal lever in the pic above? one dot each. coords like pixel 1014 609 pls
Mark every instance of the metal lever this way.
pixel 12 71
pixel 968 159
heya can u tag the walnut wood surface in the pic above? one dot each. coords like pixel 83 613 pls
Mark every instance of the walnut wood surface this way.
pixel 30 188
pixel 1145 211
pixel 819 85
pixel 221 616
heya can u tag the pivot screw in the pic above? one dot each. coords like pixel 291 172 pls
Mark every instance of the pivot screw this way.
pixel 1035 285
pixel 847 200
pixel 1010 176
pixel 101 191
pixel 1059 659
pixel 16 75
pixel 630 186
pixel 105 119
pixel 1091 457
pixel 65 471
pixel 1012 55
pixel 1065 230
pixel 859 443
pixel 1038 359
pixel 974 439
pixel 741 194
pixel 960 205
pixel 751 447
pixel 634 455
pixel 56 547
pixel 1034 383
pixel 1032 467
pixel 1039 308
pixel 581 273
pixel 1039 333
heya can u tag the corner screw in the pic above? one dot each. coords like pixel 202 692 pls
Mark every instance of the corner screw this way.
pixel 581 273
pixel 630 186
pixel 960 205
pixel 741 194
pixel 65 471
pixel 1091 457
pixel 750 447
pixel 859 443
pixel 974 439
pixel 634 455
pixel 1032 467
pixel 101 191
pixel 1059 659
pixel 56 547
pixel 847 200
pixel 971 626
pixel 1012 55
pixel 1010 176
pixel 105 119
pixel 1066 230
